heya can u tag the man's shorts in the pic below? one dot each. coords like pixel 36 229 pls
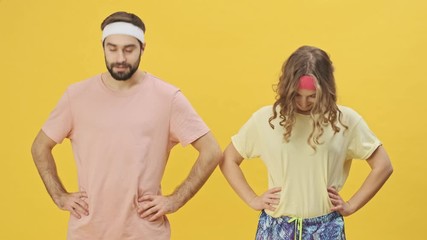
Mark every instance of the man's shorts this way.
pixel 326 227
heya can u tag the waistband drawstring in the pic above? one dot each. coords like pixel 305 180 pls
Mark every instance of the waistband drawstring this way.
pixel 298 226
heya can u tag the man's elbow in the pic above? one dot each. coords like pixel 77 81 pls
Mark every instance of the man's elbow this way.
pixel 212 156
pixel 35 150
pixel 41 146
pixel 216 155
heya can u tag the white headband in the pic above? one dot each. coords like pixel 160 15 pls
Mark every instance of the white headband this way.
pixel 123 28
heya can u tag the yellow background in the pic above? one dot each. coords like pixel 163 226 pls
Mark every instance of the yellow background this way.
pixel 224 55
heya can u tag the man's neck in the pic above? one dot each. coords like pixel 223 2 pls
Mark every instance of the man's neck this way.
pixel 119 85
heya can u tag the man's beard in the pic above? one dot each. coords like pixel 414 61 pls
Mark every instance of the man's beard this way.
pixel 122 76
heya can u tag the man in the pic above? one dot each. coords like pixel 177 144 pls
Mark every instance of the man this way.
pixel 122 125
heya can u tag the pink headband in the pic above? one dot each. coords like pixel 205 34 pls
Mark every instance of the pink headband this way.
pixel 307 82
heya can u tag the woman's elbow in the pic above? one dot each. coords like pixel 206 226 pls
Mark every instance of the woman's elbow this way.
pixel 389 170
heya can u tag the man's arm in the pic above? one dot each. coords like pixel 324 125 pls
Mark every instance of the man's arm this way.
pixel 45 163
pixel 153 206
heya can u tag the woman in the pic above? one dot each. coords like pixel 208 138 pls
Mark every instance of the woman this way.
pixel 307 143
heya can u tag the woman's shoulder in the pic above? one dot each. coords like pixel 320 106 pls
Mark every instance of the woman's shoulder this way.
pixel 347 110
pixel 349 115
pixel 263 111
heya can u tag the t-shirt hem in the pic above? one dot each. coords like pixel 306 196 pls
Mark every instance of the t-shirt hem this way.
pixel 48 133
pixel 195 136
pixel 234 142
pixel 375 146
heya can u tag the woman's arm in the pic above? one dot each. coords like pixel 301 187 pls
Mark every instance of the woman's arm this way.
pixel 230 167
pixel 381 169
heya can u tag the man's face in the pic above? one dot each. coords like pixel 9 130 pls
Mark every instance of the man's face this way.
pixel 122 56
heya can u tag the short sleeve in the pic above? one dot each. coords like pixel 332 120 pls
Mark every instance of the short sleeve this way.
pixel 245 141
pixel 186 125
pixel 363 141
pixel 59 124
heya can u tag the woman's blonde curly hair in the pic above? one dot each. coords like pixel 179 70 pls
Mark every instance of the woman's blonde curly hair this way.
pixel 315 62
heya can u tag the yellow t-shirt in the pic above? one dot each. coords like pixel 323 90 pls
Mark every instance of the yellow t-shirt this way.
pixel 304 174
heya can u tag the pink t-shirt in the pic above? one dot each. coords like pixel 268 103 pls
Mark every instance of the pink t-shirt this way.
pixel 121 142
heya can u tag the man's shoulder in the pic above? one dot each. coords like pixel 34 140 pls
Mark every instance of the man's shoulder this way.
pixel 159 84
pixel 84 84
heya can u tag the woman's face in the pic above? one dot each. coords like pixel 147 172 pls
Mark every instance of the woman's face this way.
pixel 305 100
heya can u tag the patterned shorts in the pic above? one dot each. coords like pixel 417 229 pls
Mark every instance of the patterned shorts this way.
pixel 326 227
